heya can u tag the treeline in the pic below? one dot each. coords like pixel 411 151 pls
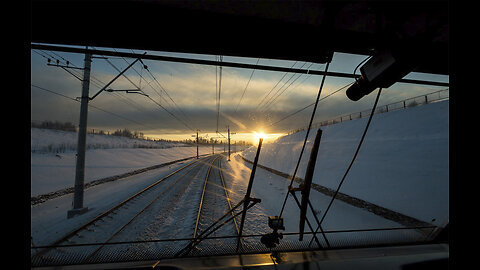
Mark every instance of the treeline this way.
pixel 203 141
pixel 126 133
pixel 67 126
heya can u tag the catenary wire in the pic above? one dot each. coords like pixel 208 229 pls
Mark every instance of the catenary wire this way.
pixel 90 105
pixel 262 108
pixel 168 95
pixel 261 101
pixel 302 109
pixel 267 107
pixel 244 90
pixel 161 87
pixel 158 104
pixel 173 115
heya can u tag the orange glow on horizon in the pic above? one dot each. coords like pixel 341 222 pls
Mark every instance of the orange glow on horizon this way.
pixel 259 135
pixel 252 137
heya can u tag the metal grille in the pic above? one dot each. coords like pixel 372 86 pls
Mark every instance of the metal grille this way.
pixel 166 249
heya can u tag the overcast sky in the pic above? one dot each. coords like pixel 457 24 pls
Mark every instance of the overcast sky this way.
pixel 192 88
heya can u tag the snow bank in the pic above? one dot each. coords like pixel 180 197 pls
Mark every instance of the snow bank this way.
pixel 403 164
pixel 58 141
pixel 53 157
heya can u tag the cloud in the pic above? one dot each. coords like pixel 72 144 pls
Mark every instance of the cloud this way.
pixel 193 91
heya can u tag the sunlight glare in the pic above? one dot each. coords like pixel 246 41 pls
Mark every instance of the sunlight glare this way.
pixel 259 135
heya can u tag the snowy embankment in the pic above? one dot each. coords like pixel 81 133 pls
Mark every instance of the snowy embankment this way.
pixel 403 164
pixel 53 171
pixel 58 141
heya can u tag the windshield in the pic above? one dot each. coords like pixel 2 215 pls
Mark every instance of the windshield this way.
pixel 170 148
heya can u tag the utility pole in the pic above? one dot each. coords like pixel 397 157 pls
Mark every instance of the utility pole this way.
pixel 197 143
pixel 81 145
pixel 229 133
pixel 228 128
pixel 78 208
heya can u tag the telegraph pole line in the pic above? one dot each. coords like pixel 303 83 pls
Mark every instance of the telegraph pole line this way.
pixel 78 207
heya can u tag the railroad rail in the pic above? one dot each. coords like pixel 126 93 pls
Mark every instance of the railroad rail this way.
pixel 90 240
pixel 214 204
pixel 202 181
pixel 92 230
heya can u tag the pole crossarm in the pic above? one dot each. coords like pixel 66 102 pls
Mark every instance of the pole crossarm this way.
pixel 128 91
pixel 217 63
pixel 116 77
pixel 64 66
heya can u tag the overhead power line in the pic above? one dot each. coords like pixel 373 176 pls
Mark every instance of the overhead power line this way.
pixel 311 104
pixel 279 89
pixel 158 104
pixel 165 91
pixel 261 101
pixel 98 83
pixel 173 115
pixel 124 75
pixel 272 101
pixel 216 63
pixel 240 101
pixel 174 106
pixel 92 106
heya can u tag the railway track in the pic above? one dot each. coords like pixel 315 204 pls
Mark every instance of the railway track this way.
pixel 214 203
pixel 166 207
pixel 116 223
pixel 215 218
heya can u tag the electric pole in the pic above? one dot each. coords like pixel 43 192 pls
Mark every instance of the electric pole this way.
pixel 81 144
pixel 229 133
pixel 228 128
pixel 197 143
pixel 78 208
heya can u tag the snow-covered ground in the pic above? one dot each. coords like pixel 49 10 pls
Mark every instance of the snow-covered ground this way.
pixel 49 219
pixel 403 164
pixel 51 171
pixel 58 141
pixel 271 189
